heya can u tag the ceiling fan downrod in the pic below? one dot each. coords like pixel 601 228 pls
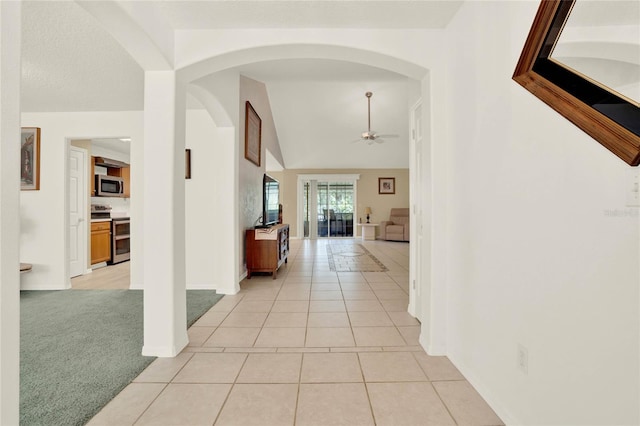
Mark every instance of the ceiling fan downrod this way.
pixel 368 95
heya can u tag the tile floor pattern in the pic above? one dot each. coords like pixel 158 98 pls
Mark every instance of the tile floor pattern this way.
pixel 347 256
pixel 313 347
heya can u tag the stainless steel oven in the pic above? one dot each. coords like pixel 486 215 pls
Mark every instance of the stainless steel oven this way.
pixel 120 244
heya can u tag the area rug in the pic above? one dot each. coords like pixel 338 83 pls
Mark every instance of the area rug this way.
pixel 80 348
pixel 352 257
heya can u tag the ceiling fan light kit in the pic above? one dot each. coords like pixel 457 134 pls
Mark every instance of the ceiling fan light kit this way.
pixel 370 136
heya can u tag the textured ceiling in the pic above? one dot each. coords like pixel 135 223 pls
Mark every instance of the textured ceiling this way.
pixel 70 63
pixel 308 14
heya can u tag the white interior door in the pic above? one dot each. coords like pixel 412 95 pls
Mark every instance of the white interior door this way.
pixel 77 211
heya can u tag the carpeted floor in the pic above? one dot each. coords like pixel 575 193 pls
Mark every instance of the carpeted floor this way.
pixel 80 348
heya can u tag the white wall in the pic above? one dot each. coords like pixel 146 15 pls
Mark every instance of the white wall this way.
pixel 208 216
pixel 44 222
pixel 249 175
pixel 534 256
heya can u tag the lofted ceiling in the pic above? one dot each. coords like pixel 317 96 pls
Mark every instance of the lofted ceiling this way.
pixel 320 111
pixel 71 63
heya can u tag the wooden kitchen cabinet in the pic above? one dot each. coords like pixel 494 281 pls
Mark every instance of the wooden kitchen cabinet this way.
pixel 100 242
pixel 267 249
pixel 125 174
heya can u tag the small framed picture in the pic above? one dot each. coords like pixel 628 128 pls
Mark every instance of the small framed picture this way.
pixel 386 185
pixel 187 163
pixel 30 158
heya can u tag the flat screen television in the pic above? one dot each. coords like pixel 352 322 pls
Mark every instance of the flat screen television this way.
pixel 270 201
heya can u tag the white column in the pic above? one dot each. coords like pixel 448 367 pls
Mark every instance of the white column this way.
pixel 10 57
pixel 434 218
pixel 165 328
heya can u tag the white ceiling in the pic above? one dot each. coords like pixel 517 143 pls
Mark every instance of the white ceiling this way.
pixel 320 108
pixel 308 14
pixel 70 63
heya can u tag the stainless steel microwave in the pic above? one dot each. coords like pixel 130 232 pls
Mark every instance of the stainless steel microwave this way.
pixel 109 186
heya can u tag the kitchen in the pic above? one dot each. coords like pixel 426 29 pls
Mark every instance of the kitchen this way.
pixel 110 193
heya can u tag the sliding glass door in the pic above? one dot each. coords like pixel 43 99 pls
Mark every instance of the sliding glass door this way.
pixel 335 209
pixel 328 208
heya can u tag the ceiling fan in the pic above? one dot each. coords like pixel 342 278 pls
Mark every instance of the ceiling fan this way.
pixel 370 136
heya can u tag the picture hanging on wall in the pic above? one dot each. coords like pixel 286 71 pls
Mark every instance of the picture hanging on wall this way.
pixel 252 135
pixel 386 185
pixel 30 158
pixel 187 163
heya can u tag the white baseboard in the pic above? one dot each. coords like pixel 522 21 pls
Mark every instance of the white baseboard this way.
pixel 494 402
pixel 164 351
pixel 430 349
pixel 228 291
pixel 42 287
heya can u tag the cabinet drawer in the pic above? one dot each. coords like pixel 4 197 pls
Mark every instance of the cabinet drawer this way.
pixel 100 226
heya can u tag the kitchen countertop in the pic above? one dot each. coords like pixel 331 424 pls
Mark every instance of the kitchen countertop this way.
pixel 100 220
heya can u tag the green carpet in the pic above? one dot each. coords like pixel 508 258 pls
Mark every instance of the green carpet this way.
pixel 80 348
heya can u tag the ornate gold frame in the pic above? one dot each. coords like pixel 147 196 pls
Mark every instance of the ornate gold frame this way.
pixel 617 139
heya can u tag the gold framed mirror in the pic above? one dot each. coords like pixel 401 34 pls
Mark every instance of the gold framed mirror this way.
pixel 606 115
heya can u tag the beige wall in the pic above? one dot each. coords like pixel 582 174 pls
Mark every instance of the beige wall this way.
pixel 367 193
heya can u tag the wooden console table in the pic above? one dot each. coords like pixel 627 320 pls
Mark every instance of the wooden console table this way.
pixel 267 249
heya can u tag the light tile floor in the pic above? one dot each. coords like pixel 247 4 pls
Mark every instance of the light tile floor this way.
pixel 312 347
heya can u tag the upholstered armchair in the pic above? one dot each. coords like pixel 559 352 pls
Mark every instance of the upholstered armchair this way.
pixel 397 227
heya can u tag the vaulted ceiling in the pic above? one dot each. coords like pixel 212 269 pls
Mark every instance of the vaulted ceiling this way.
pixel 71 63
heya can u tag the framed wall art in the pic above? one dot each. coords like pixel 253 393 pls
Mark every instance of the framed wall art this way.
pixel 252 135
pixel 386 185
pixel 30 158
pixel 187 163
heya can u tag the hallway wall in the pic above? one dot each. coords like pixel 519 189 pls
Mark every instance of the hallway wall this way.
pixel 249 174
pixel 543 251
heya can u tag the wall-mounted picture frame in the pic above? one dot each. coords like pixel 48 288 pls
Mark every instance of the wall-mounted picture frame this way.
pixel 252 135
pixel 187 163
pixel 30 159
pixel 386 185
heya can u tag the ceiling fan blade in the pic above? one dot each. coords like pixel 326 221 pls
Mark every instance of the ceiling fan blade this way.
pixel 387 136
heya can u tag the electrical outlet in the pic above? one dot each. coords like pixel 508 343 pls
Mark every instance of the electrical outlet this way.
pixel 633 189
pixel 523 359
